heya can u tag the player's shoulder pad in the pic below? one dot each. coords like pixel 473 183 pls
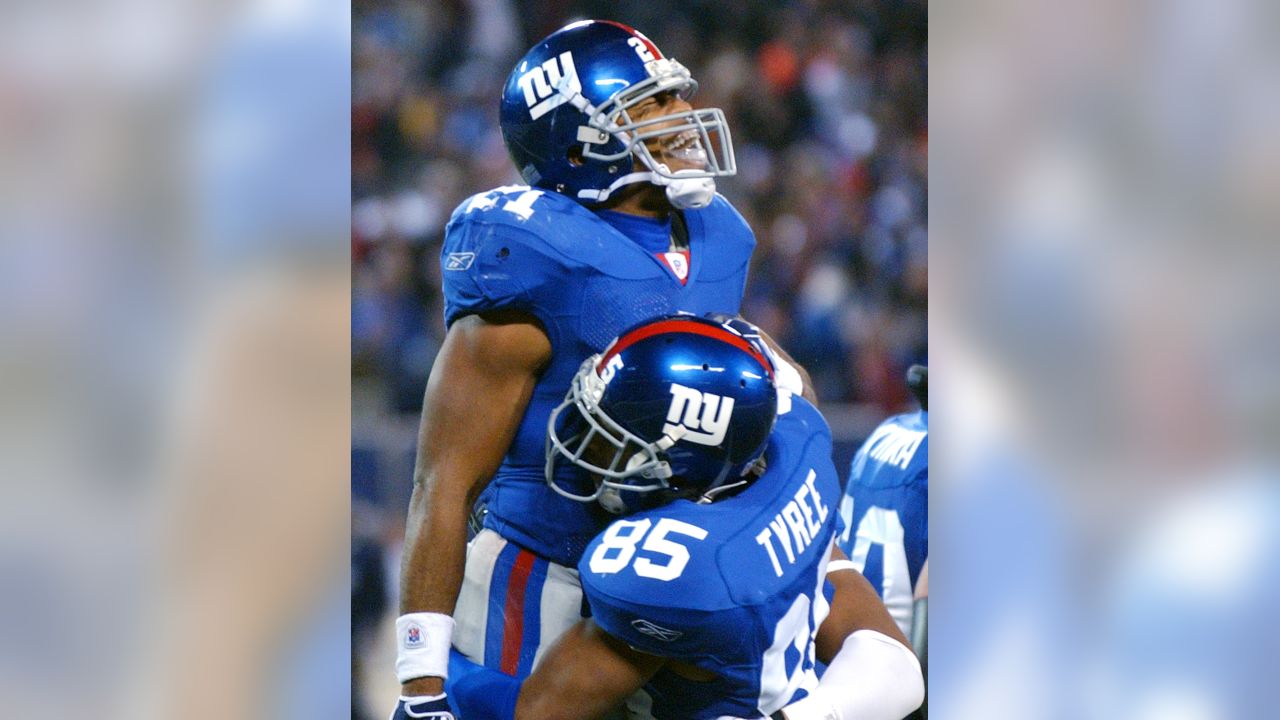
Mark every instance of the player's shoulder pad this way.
pixel 804 418
pixel 531 220
pixel 788 515
pixel 894 454
pixel 505 249
pixel 915 423
pixel 723 211
pixel 730 240
pixel 670 556
pixel 652 580
pixel 513 213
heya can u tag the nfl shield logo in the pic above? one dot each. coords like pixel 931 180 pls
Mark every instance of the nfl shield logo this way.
pixel 414 636
pixel 679 264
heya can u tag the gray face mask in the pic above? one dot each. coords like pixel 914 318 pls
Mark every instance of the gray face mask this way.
pixel 693 137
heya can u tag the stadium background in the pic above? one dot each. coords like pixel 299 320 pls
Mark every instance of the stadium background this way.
pixel 827 102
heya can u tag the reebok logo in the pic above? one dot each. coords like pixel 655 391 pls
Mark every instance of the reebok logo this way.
pixel 657 632
pixel 459 260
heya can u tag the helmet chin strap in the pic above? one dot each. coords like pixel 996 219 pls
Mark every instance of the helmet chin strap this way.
pixel 690 193
pixel 684 193
pixel 611 500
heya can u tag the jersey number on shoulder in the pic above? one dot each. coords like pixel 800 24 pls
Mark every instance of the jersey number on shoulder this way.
pixel 883 527
pixel 617 548
pixel 521 206
pixel 795 631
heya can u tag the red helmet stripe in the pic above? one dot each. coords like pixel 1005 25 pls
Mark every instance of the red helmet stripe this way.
pixel 684 326
pixel 653 49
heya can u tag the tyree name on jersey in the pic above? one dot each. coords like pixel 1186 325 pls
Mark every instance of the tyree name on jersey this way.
pixel 679 426
pixel 733 609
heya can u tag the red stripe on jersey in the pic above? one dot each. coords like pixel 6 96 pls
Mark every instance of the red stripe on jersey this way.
pixel 685 326
pixel 653 49
pixel 513 612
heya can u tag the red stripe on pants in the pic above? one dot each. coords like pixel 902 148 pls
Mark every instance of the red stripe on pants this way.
pixel 513 613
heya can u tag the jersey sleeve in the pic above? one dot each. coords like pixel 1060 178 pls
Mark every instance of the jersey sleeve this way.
pixel 665 631
pixel 803 412
pixel 494 265
pixel 732 242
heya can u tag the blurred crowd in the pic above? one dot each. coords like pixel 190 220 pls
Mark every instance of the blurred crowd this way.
pixel 827 104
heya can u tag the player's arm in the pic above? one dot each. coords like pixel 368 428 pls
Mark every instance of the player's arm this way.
pixel 920 628
pixel 584 675
pixel 592 667
pixel 479 388
pixel 871 672
pixel 789 373
pixel 920 617
pixel 788 369
pixel 855 606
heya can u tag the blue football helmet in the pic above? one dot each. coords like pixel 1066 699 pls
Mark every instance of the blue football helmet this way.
pixel 677 407
pixel 565 118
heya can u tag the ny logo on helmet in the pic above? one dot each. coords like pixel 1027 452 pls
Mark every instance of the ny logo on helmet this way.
pixel 550 85
pixel 704 416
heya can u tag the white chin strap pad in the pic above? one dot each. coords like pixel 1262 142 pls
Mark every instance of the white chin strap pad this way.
pixel 682 192
pixel 690 193
pixel 611 500
pixel 685 193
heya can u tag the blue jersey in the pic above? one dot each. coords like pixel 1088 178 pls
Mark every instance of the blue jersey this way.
pixel 544 254
pixel 886 511
pixel 733 587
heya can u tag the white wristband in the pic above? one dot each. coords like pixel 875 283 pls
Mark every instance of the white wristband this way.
pixel 422 645
pixel 838 565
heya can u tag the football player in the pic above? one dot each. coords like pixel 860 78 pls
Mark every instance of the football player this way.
pixel 720 588
pixel 619 222
pixel 885 510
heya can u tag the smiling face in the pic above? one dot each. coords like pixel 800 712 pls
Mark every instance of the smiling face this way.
pixel 682 151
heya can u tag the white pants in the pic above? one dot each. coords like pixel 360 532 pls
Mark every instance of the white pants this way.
pixel 513 605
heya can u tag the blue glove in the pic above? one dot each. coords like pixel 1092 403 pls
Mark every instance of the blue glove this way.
pixel 459 668
pixel 424 707
pixel 480 693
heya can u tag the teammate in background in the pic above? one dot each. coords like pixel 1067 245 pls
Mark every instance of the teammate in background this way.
pixel 715 591
pixel 886 510
pixel 920 626
pixel 620 222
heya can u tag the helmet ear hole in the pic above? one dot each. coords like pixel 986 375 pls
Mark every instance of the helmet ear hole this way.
pixel 574 155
